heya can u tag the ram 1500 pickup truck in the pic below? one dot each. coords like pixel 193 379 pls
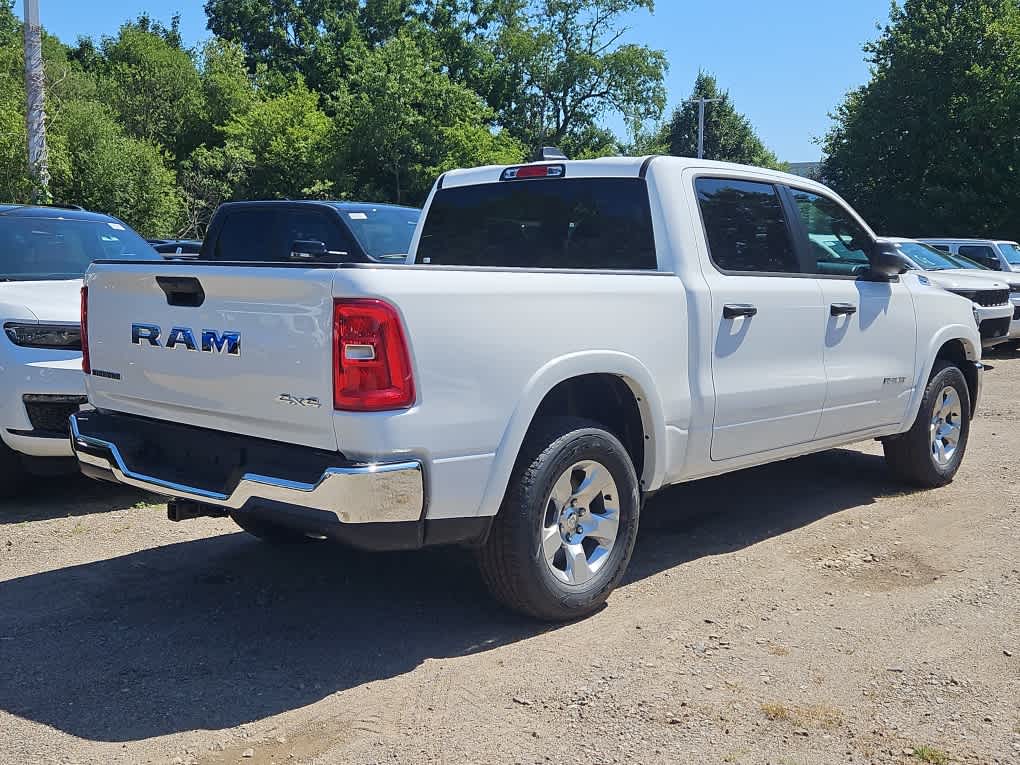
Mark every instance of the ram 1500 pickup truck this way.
pixel 564 339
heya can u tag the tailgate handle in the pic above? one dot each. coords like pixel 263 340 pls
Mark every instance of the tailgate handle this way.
pixel 183 291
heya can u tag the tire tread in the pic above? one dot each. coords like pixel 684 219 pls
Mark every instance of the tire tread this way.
pixel 907 454
pixel 501 557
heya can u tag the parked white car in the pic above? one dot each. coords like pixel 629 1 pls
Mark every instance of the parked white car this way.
pixel 990 294
pixel 44 252
pixel 929 258
pixel 996 254
pixel 565 339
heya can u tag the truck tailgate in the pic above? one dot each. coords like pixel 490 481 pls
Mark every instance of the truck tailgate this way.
pixel 241 349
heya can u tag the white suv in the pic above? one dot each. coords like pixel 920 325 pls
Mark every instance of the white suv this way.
pixel 936 258
pixel 996 254
pixel 988 290
pixel 44 252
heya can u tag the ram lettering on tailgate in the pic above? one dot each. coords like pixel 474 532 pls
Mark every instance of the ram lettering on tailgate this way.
pixel 211 340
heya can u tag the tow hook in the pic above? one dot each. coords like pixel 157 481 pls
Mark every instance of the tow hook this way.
pixel 178 510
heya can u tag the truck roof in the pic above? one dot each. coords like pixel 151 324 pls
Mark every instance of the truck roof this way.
pixel 342 205
pixel 617 167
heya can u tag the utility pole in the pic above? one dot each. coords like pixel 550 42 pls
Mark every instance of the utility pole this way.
pixel 701 122
pixel 35 112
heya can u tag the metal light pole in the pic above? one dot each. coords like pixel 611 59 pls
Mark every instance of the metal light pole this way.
pixel 701 122
pixel 35 113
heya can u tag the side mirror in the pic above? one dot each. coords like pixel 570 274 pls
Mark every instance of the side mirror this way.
pixel 886 262
pixel 307 249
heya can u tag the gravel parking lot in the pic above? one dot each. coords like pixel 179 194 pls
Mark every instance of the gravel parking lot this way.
pixel 807 612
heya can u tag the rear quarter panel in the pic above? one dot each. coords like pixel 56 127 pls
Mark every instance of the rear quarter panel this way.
pixel 487 345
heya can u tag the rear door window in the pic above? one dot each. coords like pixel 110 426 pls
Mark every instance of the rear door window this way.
pixel 261 234
pixel 249 235
pixel 746 227
pixel 563 223
pixel 982 253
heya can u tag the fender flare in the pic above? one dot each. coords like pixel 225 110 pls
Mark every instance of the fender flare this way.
pixel 951 333
pixel 638 378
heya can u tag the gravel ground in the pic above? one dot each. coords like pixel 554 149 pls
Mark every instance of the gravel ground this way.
pixel 810 612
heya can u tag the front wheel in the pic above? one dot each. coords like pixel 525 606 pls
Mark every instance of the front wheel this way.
pixel 566 530
pixel 929 454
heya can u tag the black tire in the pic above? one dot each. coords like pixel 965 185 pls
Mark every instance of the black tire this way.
pixel 12 472
pixel 910 456
pixel 270 532
pixel 511 561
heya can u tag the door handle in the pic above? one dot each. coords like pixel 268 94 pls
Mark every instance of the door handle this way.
pixel 842 309
pixel 733 310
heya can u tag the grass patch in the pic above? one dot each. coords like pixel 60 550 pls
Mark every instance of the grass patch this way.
pixel 813 716
pixel 930 755
pixel 778 650
pixel 776 711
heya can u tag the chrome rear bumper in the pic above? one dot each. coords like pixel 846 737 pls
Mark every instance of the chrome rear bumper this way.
pixel 370 493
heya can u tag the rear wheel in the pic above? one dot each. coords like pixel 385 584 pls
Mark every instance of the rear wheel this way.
pixel 267 531
pixel 566 530
pixel 930 453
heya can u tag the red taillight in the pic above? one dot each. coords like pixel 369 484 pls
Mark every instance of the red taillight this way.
pixel 86 366
pixel 371 362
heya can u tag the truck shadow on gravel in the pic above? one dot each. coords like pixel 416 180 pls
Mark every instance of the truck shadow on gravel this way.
pixel 212 633
pixel 68 495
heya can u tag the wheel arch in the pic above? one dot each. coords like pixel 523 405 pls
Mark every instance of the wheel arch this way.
pixel 951 344
pixel 546 387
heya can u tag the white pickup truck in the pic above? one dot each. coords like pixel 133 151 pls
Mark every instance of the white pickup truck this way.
pixel 565 339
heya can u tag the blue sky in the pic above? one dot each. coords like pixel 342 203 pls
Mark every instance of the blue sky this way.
pixel 787 64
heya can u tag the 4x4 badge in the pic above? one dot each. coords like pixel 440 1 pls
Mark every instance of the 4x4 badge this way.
pixel 310 403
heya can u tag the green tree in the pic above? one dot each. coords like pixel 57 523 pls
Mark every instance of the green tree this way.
pixel 312 38
pixel 929 145
pixel 284 140
pixel 562 67
pixel 645 139
pixel 100 168
pixel 729 136
pixel 228 89
pixel 14 182
pixel 153 86
pixel 209 177
pixel 401 122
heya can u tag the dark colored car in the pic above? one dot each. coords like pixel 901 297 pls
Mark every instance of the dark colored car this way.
pixel 185 248
pixel 48 242
pixel 302 231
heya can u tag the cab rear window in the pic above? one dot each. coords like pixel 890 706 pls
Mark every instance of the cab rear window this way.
pixel 561 223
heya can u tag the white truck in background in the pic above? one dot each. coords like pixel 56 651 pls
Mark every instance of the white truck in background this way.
pixel 565 339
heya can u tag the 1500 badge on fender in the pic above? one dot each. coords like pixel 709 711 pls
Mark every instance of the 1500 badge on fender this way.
pixel 211 340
